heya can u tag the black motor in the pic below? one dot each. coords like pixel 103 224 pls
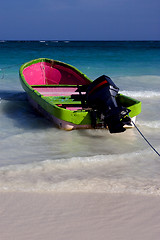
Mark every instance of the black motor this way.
pixel 101 98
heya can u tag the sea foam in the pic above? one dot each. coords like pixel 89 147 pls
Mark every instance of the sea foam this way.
pixel 142 94
pixel 101 174
pixel 150 124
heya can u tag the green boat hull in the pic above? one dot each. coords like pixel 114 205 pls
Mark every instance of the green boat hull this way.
pixel 50 106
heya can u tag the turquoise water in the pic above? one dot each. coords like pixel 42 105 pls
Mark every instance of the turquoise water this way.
pixel 36 156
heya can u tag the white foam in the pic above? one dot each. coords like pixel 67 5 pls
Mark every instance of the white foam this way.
pixel 150 124
pixel 100 173
pixel 141 94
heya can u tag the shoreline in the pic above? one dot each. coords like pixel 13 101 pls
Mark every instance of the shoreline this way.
pixel 77 216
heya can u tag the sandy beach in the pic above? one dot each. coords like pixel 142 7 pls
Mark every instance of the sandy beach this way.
pixel 78 216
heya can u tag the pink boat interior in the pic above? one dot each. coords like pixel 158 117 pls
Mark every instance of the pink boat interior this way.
pixel 43 73
pixel 50 80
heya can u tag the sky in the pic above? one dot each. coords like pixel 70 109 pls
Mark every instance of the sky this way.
pixel 80 20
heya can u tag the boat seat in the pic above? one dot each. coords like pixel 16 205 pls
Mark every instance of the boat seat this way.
pixel 58 85
pixel 47 90
pixel 62 100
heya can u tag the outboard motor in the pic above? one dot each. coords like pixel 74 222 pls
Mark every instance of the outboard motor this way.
pixel 101 98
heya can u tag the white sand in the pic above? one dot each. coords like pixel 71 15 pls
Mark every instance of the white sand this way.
pixel 78 216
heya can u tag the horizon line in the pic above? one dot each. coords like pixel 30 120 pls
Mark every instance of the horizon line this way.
pixel 66 40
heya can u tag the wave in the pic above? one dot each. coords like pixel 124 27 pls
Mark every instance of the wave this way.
pixel 101 174
pixel 140 78
pixel 141 94
pixel 150 124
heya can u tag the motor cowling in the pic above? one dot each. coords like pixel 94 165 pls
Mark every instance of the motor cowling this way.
pixel 101 98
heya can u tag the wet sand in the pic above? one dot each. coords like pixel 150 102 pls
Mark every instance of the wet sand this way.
pixel 78 216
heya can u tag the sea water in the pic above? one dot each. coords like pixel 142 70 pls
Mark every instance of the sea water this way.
pixel 36 156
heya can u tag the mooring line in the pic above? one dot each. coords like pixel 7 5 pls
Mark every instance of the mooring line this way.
pixel 146 139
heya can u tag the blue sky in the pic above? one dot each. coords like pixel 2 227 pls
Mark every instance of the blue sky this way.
pixel 80 20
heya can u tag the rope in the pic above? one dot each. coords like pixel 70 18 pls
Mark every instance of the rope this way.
pixel 146 140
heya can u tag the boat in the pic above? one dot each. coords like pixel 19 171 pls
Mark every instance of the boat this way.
pixel 73 101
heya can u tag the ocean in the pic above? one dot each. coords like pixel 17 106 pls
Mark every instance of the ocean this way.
pixel 35 156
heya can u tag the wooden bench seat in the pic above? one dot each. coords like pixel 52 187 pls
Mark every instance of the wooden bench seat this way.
pixel 58 90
